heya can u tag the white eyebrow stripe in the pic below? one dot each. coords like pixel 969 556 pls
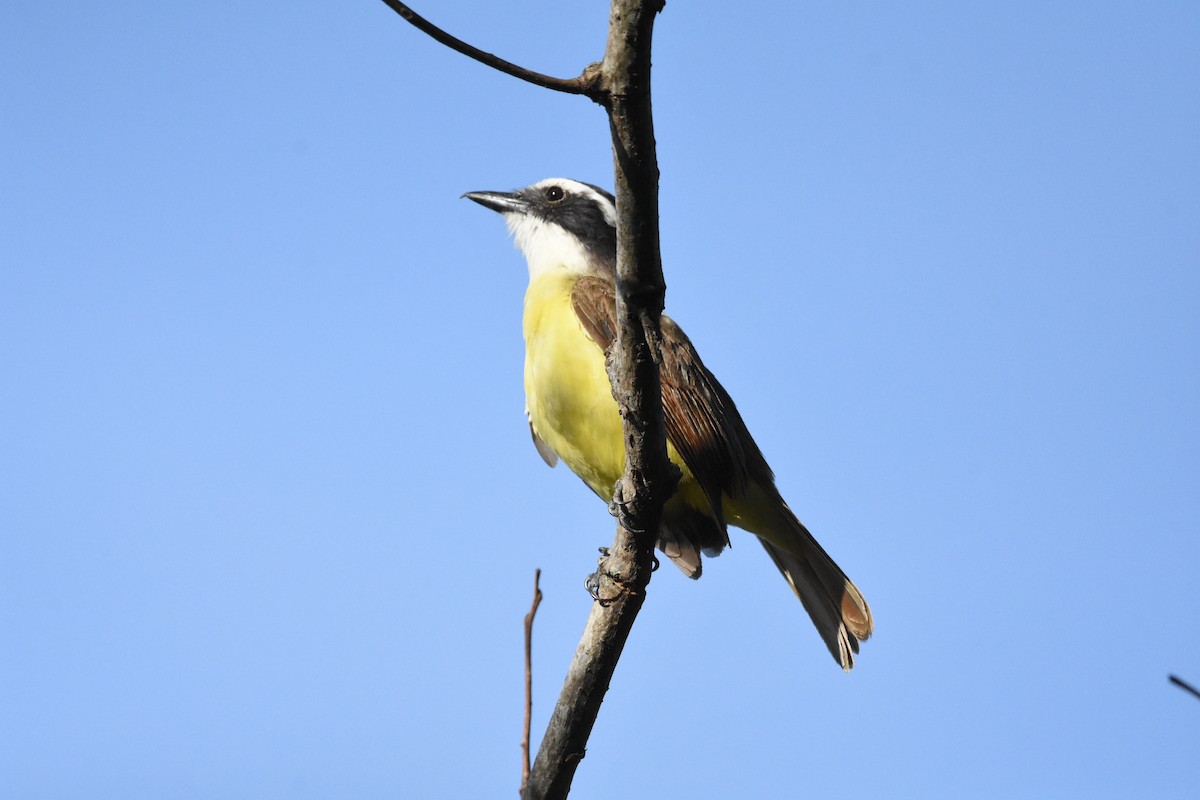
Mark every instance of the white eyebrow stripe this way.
pixel 606 206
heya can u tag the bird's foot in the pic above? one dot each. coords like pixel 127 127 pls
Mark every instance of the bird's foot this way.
pixel 602 576
pixel 619 508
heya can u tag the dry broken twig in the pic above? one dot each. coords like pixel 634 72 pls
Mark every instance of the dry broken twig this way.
pixel 537 600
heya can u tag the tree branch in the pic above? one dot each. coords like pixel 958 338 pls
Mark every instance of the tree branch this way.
pixel 621 83
pixel 537 601
pixel 585 84
pixel 649 477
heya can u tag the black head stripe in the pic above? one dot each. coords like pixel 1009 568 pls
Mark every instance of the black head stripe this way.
pixel 579 213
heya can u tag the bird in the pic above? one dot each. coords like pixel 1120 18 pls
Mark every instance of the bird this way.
pixel 566 230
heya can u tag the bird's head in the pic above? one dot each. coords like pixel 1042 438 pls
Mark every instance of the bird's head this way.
pixel 559 224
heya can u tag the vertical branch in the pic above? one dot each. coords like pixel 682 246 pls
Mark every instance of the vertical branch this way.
pixel 649 476
pixel 621 83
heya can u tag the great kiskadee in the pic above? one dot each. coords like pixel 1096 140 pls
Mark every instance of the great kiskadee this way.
pixel 567 231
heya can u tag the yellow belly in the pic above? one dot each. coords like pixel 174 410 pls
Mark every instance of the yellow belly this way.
pixel 568 394
pixel 567 391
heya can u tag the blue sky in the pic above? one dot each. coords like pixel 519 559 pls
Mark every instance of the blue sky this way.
pixel 270 509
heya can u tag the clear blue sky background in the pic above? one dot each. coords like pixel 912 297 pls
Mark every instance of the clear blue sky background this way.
pixel 269 508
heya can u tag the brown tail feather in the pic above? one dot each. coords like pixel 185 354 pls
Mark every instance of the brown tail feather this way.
pixel 838 610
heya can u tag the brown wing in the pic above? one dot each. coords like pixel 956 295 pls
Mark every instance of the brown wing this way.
pixel 702 422
pixel 705 427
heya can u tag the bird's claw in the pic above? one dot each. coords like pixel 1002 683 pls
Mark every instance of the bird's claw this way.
pixel 619 508
pixel 594 581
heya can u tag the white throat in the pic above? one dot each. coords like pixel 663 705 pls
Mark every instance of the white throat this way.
pixel 547 246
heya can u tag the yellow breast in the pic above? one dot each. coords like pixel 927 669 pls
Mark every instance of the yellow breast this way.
pixel 566 387
pixel 569 397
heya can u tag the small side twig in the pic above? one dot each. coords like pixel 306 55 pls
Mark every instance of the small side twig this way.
pixel 586 84
pixel 537 600
pixel 1182 684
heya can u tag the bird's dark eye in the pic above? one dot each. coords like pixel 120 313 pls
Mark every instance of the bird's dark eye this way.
pixel 555 193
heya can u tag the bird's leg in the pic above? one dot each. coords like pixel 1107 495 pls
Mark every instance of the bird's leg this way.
pixel 622 581
pixel 619 508
pixel 593 581
pixel 605 576
pixel 601 576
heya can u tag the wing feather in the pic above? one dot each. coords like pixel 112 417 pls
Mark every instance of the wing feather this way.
pixel 548 455
pixel 702 421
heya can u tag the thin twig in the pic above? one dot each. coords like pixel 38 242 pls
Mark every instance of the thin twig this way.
pixel 586 84
pixel 537 600
pixel 1182 684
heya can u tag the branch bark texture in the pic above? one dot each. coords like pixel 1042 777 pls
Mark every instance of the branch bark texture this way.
pixel 649 477
pixel 621 84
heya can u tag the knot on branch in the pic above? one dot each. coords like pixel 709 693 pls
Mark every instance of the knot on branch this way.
pixel 591 84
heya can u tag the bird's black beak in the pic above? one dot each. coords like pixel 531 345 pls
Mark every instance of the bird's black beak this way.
pixel 504 202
